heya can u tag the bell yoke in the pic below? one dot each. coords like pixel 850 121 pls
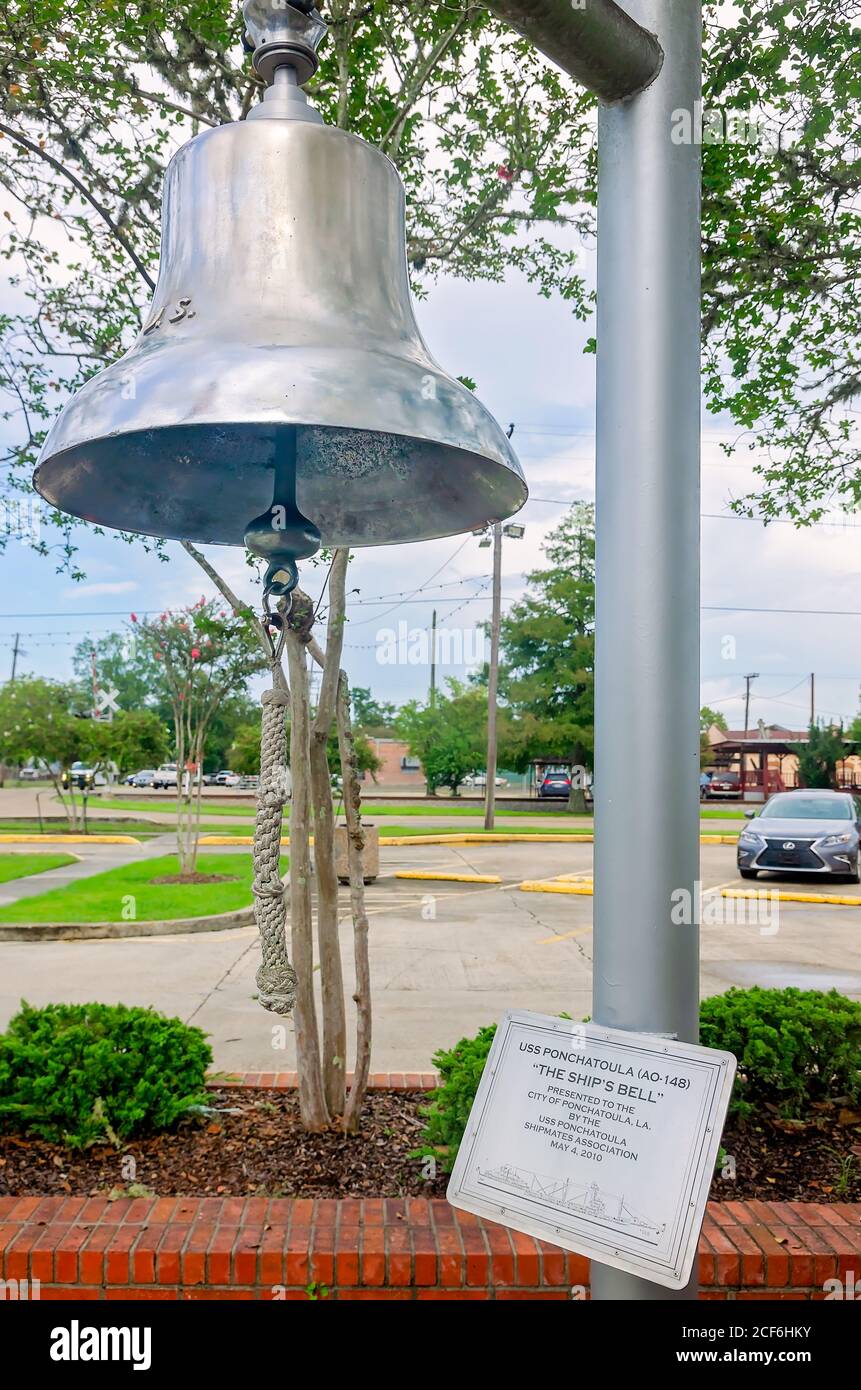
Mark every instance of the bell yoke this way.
pixel 280 373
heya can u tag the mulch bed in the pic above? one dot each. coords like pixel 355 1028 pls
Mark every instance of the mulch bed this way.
pixel 261 1150
pixel 195 878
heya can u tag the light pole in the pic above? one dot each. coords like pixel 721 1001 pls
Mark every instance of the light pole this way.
pixel 645 968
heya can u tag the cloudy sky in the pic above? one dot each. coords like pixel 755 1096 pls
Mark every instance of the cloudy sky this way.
pixel 526 355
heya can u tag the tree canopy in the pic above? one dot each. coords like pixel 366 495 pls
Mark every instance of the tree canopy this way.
pixel 547 650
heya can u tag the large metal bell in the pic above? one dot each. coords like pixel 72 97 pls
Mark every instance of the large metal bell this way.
pixel 282 305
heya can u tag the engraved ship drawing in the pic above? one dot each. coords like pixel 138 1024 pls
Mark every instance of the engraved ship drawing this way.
pixel 582 1199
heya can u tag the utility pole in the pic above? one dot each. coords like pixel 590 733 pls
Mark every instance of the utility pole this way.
pixel 16 651
pixel 646 969
pixel 432 700
pixel 747 680
pixel 493 677
pixel 812 699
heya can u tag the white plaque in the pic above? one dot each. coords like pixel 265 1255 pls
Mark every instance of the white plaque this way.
pixel 601 1141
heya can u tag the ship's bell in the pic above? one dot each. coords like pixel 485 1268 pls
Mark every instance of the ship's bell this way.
pixel 281 327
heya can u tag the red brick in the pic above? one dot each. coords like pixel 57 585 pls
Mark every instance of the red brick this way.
pixel 321 1254
pixel 775 1257
pixel 553 1265
pixel 373 1256
pixel 752 1271
pixel 167 1259
pixel 727 1260
pixel 245 1255
pixel 398 1255
pixel 17 1262
pixel 424 1256
pixel 501 1254
pixel 347 1256
pixel 194 1254
pixel 91 1260
pixel 117 1255
pixel 66 1255
pixel 527 1258
pixel 23 1208
pixel 143 1256
pixel 219 1253
pixel 271 1256
pixel 47 1210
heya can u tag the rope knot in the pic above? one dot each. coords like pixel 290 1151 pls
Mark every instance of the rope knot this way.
pixel 275 697
pixel 276 985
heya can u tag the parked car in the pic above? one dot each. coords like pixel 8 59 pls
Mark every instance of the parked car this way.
pixel 144 778
pixel 165 777
pixel 803 832
pixel 478 780
pixel 31 773
pixel 555 784
pixel 81 776
pixel 208 779
pixel 227 779
pixel 724 785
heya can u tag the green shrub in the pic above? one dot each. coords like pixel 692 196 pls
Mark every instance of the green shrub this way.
pixel 85 1073
pixel 448 1111
pixel 795 1048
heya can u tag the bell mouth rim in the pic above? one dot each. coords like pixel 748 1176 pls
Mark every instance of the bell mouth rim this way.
pixel 403 509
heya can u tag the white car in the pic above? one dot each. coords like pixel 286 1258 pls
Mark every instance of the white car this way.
pixel 478 780
pixel 227 779
pixel 165 777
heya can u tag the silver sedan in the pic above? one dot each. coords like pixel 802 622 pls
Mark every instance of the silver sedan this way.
pixel 803 832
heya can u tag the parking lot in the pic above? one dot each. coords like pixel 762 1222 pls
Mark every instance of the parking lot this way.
pixel 447 957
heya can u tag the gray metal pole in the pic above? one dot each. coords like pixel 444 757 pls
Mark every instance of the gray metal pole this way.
pixel 646 970
pixel 493 678
pixel 595 41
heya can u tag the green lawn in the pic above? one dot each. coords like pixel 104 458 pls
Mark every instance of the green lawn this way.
pixel 24 865
pixel 104 897
pixel 167 803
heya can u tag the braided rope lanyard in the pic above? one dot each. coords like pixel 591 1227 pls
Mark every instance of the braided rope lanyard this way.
pixel 276 978
pixel 281 535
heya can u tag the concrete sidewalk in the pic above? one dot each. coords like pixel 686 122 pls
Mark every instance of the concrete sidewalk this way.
pixel 445 958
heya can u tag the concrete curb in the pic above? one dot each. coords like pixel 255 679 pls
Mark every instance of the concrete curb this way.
pixel 106 931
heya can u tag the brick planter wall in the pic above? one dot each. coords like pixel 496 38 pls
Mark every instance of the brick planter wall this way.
pixel 177 1248
pixel 262 1248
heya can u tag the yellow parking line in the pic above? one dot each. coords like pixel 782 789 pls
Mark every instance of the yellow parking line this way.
pixel 775 895
pixel 583 890
pixel 448 877
pixel 564 936
pixel 69 840
pixel 462 838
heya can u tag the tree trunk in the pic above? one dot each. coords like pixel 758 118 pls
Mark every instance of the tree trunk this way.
pixel 328 939
pixel 312 1100
pixel 355 845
